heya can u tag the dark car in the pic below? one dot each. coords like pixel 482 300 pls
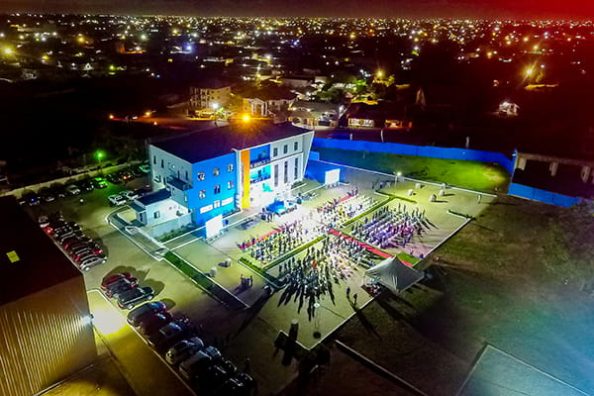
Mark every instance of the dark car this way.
pixel 136 315
pixel 239 385
pixel 85 185
pixel 120 287
pixel 31 199
pixel 170 334
pixel 47 195
pixel 183 349
pixel 99 183
pixel 109 279
pixel 77 242
pixel 153 322
pixel 131 298
pixel 213 376
pixel 113 178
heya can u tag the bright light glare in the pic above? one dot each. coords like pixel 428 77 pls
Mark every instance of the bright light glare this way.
pixel 246 118
pixel 108 321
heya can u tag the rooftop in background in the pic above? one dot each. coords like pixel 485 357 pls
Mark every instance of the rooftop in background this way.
pixel 29 260
pixel 211 143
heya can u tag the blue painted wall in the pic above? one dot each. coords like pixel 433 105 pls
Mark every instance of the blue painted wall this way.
pixel 545 196
pixel 208 185
pixel 418 151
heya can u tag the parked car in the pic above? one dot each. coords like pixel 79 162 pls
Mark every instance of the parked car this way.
pixel 109 279
pixel 170 334
pixel 116 200
pixel 213 377
pixel 194 365
pixel 72 189
pixel 85 185
pixel 99 183
pixel 152 323
pixel 82 240
pixel 122 286
pixel 130 299
pixel 59 191
pixel 91 262
pixel 130 195
pixel 47 195
pixel 113 178
pixel 183 349
pixel 240 384
pixel 31 199
pixel 136 315
pixel 43 221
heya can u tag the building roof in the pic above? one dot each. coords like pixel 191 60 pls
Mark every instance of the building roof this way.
pixel 29 260
pixel 154 197
pixel 202 145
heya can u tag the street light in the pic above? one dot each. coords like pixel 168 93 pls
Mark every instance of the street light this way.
pixel 246 118
pixel 379 73
pixel 99 156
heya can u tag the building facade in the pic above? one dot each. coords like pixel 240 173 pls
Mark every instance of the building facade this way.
pixel 222 170
pixel 209 97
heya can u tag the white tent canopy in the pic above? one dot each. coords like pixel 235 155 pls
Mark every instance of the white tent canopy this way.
pixel 394 275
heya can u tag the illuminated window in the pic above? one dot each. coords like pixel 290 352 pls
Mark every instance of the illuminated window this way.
pixel 13 257
pixel 230 168
pixel 202 194
pixel 286 173
pixel 216 171
pixel 230 185
pixel 217 189
pixel 201 175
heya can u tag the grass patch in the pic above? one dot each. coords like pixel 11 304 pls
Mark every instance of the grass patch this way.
pixel 466 174
pixel 403 256
pixel 204 282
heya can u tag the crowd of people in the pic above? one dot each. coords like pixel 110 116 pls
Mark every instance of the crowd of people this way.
pixel 308 278
pixel 336 211
pixel 391 227
pixel 286 238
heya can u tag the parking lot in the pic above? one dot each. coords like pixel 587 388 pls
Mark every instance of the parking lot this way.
pixel 251 333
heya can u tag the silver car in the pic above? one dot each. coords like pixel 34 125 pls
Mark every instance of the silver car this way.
pixel 183 350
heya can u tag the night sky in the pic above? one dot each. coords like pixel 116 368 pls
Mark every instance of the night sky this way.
pixel 517 9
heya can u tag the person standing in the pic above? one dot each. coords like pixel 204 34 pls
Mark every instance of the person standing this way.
pixel 355 299
pixel 348 292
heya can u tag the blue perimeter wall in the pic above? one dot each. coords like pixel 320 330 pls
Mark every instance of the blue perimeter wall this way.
pixel 318 169
pixel 418 151
pixel 545 196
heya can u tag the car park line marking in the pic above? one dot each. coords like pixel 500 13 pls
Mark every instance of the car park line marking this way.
pixel 171 368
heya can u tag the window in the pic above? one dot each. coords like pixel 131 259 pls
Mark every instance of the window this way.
pixel 186 175
pixel 216 171
pixel 296 168
pixel 202 194
pixel 276 175
pixel 286 174
pixel 201 175
pixel 217 189
pixel 162 164
pixel 157 214
pixel 154 160
pixel 296 146
pixel 230 168
pixel 285 149
pixel 275 151
pixel 230 185
pixel 217 204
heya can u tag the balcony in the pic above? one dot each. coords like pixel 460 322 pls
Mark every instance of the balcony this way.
pixel 178 183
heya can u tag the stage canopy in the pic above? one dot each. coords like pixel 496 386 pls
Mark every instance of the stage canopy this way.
pixel 394 275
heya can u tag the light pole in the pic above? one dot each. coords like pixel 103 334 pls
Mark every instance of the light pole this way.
pixel 99 155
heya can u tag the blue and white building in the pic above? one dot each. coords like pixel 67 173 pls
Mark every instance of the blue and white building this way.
pixel 199 176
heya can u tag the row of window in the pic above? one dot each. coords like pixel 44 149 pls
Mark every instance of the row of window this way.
pixel 285 149
pixel 215 172
pixel 216 189
pixel 286 172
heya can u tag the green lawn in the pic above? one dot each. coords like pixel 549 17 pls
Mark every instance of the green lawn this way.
pixel 466 174
pixel 517 277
